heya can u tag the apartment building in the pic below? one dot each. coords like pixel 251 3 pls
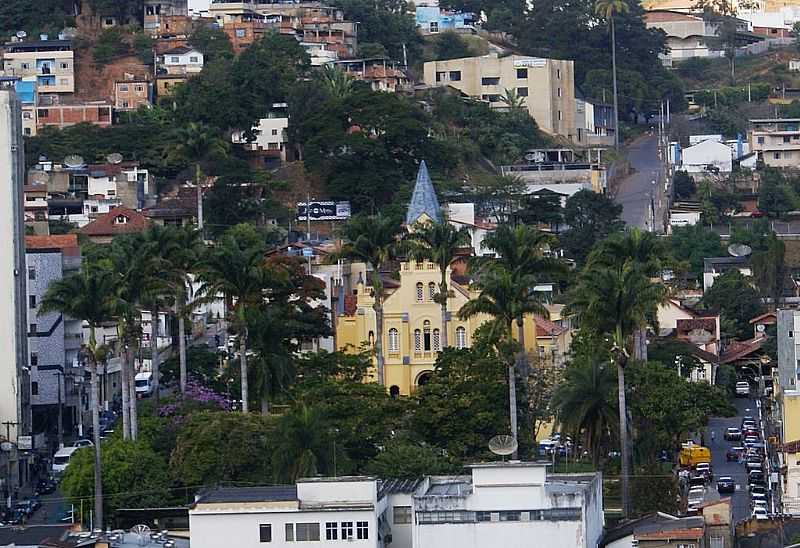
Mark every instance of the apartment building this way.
pixel 776 141
pixel 54 343
pixel 786 407
pixel 496 504
pixel 380 73
pixel 271 138
pixel 50 62
pixel 130 94
pixel 155 11
pixel 53 111
pixel 14 380
pixel 546 86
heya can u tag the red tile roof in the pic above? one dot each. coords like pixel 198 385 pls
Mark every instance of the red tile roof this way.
pixel 678 534
pixel 105 225
pixel 56 241
pixel 547 328
pixel 740 349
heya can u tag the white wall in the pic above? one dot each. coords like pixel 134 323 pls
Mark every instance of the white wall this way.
pixel 102 186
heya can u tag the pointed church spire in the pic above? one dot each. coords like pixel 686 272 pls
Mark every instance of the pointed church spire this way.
pixel 423 201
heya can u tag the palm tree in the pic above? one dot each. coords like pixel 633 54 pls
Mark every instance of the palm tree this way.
pixel 373 240
pixel 438 243
pixel 513 100
pixel 235 269
pixel 505 297
pixel 304 446
pixel 89 296
pixel 617 300
pixel 608 9
pixel 336 82
pixel 584 404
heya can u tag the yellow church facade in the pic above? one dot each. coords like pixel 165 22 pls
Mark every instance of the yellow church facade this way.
pixel 412 336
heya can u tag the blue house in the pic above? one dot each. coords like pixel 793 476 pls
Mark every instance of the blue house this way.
pixel 433 20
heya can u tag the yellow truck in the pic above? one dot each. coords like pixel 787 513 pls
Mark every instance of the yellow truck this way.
pixel 692 455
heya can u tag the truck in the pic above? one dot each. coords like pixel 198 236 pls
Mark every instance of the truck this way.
pixel 691 455
pixel 61 459
pixel 144 384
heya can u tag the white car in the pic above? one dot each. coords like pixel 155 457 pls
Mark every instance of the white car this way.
pixel 83 443
pixel 742 389
pixel 760 513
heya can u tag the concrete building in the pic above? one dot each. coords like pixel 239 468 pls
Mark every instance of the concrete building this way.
pixel 156 10
pixel 50 62
pixel 53 346
pixel 560 170
pixel 776 142
pixel 497 504
pixel 546 85
pixel 119 220
pixel 182 60
pixel 60 114
pixel 707 157
pixel 433 20
pixel 380 73
pixel 271 137
pixel 786 407
pixel 133 93
pixel 713 267
pixel 14 378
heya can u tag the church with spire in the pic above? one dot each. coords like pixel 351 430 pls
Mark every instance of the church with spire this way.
pixel 424 206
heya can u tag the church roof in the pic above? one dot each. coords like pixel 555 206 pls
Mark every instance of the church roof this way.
pixel 423 200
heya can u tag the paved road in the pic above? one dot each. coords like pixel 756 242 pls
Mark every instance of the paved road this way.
pixel 721 467
pixel 637 192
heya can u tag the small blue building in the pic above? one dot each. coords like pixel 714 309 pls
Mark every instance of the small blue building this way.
pixel 433 20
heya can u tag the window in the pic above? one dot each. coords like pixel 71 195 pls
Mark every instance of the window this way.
pixel 401 515
pixel 558 74
pixel 394 340
pixel 306 532
pixel 461 337
pixel 437 341
pixel 455 75
pixel 290 532
pixel 25 66
pixel 26 115
pixel 426 332
pixel 139 89
pixel 434 26
pixel 331 530
pixel 34 388
pixel 31 301
pixel 65 66
pixel 522 92
pixel 490 81
pixel 362 530
pixel 417 340
pixel 265 532
pixel 432 291
pixel 31 273
pixel 787 139
pixel 174 59
pixel 43 113
pixel 34 359
pixel 440 76
pixel 509 516
pixel 123 87
pixel 274 131
pixel 125 104
pixel 26 131
pixel 347 530
pixel 558 92
pixel 194 59
pixel 492 97
pixel 120 220
pixel 420 292
pixel 760 140
pixel 32 328
pixel 777 155
pixel 483 516
pixel 522 74
pixel 240 33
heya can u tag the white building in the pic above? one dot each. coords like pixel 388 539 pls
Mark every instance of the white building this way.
pixel 460 215
pixel 182 60
pixel 707 156
pixel 14 382
pixel 500 504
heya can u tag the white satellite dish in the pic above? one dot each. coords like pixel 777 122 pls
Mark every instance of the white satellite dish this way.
pixel 503 445
pixel 73 160
pixel 739 250
pixel 21 34
pixel 114 158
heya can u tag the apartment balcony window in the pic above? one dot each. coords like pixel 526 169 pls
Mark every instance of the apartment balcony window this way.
pixel 523 92
pixel 455 75
pixel 522 74
pixel 490 81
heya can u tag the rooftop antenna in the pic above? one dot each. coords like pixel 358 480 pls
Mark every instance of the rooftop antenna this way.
pixel 739 250
pixel 73 160
pixel 114 158
pixel 503 445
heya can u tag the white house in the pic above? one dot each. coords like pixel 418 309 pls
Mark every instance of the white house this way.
pixel 464 215
pixel 499 504
pixel 707 157
pixel 182 60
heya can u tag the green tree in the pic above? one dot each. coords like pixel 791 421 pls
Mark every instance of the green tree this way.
pixel 373 240
pixel 655 490
pixel 201 364
pixel 684 184
pixel 737 301
pixel 134 475
pixel 89 296
pixel 304 446
pixel 212 42
pixel 615 297
pixel 591 217
pixel 449 45
pixel 336 82
pixel 541 209
pixel 776 199
pixel 408 460
pixel 438 243
pixel 608 9
pixel 234 269
pixel 769 267
pixel 693 244
pixel 217 446
pixel 386 22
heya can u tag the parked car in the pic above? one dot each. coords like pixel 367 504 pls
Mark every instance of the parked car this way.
pixel 754 465
pixel 742 389
pixel 733 434
pixel 734 453
pixel 760 513
pixel 756 477
pixel 758 490
pixel 758 497
pixel 704 468
pixel 725 484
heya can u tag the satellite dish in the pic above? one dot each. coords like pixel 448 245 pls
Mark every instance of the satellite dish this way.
pixel 761 328
pixel 739 250
pixel 142 533
pixel 114 158
pixel 21 34
pixel 503 445
pixel 73 160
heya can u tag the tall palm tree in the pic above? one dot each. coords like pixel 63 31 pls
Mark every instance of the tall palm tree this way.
pixel 88 295
pixel 505 297
pixel 303 446
pixel 512 99
pixel 608 9
pixel 616 301
pixel 337 83
pixel 374 240
pixel 234 269
pixel 584 404
pixel 438 243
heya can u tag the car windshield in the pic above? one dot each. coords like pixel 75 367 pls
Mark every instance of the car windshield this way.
pixel 60 460
pixel 141 383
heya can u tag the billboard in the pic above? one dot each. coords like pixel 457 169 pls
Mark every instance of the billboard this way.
pixel 323 211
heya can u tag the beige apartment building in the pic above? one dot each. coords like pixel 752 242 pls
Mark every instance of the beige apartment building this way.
pixel 547 85
pixel 51 62
pixel 776 141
